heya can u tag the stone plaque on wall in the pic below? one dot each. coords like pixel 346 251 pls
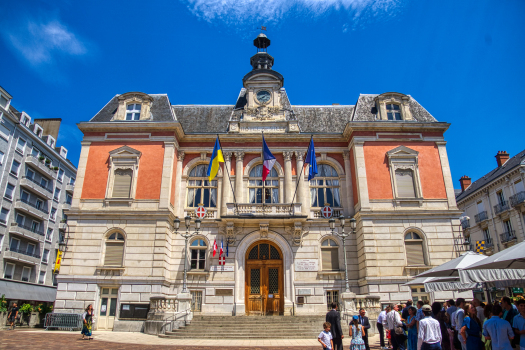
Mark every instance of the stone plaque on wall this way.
pixel 306 265
pixel 224 292
pixel 306 291
pixel 221 268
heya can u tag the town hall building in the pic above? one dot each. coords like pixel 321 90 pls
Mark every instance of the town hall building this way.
pixel 143 166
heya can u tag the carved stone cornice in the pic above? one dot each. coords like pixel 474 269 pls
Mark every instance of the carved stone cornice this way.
pixel 287 155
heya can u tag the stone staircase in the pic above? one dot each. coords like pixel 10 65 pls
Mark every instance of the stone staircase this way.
pixel 252 327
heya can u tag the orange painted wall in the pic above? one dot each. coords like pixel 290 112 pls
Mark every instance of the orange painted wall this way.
pixel 354 179
pixel 378 172
pixel 149 176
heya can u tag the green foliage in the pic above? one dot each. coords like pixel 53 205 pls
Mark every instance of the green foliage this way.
pixel 26 308
pixel 44 309
pixel 3 303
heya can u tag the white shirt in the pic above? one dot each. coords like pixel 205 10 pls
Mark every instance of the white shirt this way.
pixel 381 317
pixel 480 313
pixel 392 320
pixel 429 331
pixel 325 338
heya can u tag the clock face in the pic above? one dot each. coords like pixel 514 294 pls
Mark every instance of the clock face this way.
pixel 263 96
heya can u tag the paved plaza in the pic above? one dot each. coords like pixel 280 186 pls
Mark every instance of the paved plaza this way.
pixel 41 339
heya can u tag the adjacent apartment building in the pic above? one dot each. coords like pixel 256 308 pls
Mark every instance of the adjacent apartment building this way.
pixel 36 189
pixel 494 205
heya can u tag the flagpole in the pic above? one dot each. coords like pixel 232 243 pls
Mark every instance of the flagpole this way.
pixel 229 179
pixel 299 178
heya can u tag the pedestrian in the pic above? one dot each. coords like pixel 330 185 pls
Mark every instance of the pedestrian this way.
pixel 334 318
pixel 509 312
pixel 471 328
pixel 429 333
pixel 363 321
pixel 11 318
pixel 439 316
pixel 356 332
pixel 87 319
pixel 487 312
pixel 451 308
pixel 404 313
pixel 325 337
pixel 479 309
pixel 393 321
pixel 419 313
pixel 412 329
pixel 518 324
pixel 458 321
pixel 498 331
pixel 380 329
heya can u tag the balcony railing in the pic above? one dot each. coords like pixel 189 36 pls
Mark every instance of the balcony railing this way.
pixel 41 166
pixel 211 213
pixel 28 228
pixel 267 209
pixel 24 252
pixel 336 212
pixel 33 205
pixel 481 217
pixel 465 224
pixel 517 199
pixel 508 236
pixel 489 244
pixel 498 208
pixel 48 190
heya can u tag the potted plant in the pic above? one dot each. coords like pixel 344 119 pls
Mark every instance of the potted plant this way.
pixel 25 310
pixel 43 310
pixel 55 168
pixel 41 158
pixel 48 161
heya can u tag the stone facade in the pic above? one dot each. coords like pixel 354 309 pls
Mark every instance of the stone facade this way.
pixel 365 163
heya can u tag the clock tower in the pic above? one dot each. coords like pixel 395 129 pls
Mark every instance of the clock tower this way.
pixel 263 104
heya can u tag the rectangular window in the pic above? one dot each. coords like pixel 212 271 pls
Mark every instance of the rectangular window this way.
pixel 35 152
pixel 501 198
pixel 72 181
pixel 43 182
pixel 1 157
pixel 133 111
pixel 330 259
pixel 480 207
pixel 42 277
pixel 4 131
pixel 198 259
pixel 20 219
pixel 45 256
pixel 196 300
pixel 30 249
pixel 122 183
pixel 53 214
pixel 21 145
pixel 414 252
pixel 30 174
pixel 486 235
pixel 507 226
pixel 9 271
pixel 15 167
pixel 114 254
pixel 405 183
pixel 49 234
pixel 35 225
pixel 332 296
pixel 9 189
pixel 69 199
pixel 39 204
pixel 3 101
pixel 24 196
pixel 3 215
pixel 14 244
pixel 519 186
pixel 57 194
pixel 60 176
pixel 26 274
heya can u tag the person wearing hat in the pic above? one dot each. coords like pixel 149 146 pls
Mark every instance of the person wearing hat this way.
pixel 429 333
pixel 356 332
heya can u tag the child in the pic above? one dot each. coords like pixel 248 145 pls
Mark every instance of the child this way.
pixel 325 337
pixel 388 337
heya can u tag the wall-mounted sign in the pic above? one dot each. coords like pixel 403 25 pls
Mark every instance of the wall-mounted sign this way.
pixel 306 291
pixel 306 265
pixel 221 268
pixel 224 292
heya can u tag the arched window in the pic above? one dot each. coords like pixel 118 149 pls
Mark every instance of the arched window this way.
pixel 330 255
pixel 271 186
pixel 200 190
pixel 414 249
pixel 114 250
pixel 324 188
pixel 393 112
pixel 198 254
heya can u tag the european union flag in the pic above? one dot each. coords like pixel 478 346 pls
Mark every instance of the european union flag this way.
pixel 310 159
pixel 216 158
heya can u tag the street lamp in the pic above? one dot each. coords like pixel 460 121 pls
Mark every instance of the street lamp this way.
pixel 343 236
pixel 187 235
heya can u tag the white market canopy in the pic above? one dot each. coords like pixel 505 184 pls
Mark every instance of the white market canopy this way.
pixel 424 280
pixel 451 268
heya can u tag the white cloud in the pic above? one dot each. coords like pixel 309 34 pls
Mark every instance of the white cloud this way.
pixel 41 43
pixel 241 12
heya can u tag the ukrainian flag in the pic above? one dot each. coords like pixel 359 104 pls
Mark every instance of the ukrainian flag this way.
pixel 216 158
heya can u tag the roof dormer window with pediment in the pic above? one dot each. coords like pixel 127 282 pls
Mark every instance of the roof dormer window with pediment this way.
pixel 393 106
pixel 133 106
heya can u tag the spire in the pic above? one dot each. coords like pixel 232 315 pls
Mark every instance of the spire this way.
pixel 261 60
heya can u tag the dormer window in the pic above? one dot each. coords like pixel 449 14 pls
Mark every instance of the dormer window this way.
pixel 3 101
pixel 393 111
pixel 133 111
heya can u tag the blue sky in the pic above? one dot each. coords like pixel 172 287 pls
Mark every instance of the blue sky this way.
pixel 462 60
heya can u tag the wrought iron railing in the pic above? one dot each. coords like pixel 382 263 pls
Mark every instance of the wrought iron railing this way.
pixel 508 236
pixel 33 205
pixel 31 229
pixel 489 244
pixel 498 208
pixel 38 184
pixel 481 217
pixel 20 251
pixel 517 199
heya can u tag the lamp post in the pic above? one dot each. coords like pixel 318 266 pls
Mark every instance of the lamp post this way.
pixel 344 235
pixel 187 235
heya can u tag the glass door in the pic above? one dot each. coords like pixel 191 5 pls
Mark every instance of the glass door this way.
pixel 107 308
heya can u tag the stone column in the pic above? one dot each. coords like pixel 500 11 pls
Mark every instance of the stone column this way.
pixel 288 183
pixel 226 188
pixel 301 194
pixel 167 175
pixel 179 209
pixel 239 156
pixel 81 173
pixel 447 177
pixel 349 189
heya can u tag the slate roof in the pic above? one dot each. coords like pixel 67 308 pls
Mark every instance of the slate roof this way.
pixel 512 163
pixel 160 110
pixel 366 109
pixel 203 118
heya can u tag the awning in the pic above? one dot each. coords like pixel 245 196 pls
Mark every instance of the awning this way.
pixel 511 276
pixel 451 286
pixel 423 280
pixel 25 291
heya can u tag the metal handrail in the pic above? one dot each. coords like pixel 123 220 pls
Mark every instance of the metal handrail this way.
pixel 37 183
pixel 41 233
pixel 517 199
pixel 33 205
pixel 20 251
pixel 508 236
pixel 174 318
pixel 498 208
pixel 481 217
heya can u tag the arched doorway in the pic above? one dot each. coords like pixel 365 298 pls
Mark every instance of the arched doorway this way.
pixel 264 279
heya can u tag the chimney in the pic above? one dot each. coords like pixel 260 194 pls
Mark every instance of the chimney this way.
pixel 502 157
pixel 50 126
pixel 465 182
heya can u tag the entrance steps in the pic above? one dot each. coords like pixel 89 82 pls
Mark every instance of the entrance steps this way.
pixel 252 327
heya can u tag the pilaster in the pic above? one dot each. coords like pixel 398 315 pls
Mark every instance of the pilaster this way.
pixel 301 198
pixel 288 184
pixel 349 189
pixel 447 176
pixel 239 157
pixel 167 175
pixel 226 188
pixel 81 173
pixel 179 210
pixel 362 183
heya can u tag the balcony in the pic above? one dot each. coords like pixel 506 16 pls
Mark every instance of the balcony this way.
pixel 336 212
pixel 507 237
pixel 41 167
pixel 481 217
pixel 31 208
pixel 70 187
pixel 21 255
pixel 211 213
pixel 517 199
pixel 28 232
pixel 489 244
pixel 247 210
pixel 465 224
pixel 501 207
pixel 36 187
pixel 66 206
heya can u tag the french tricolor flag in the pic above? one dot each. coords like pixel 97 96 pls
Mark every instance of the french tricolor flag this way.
pixel 268 160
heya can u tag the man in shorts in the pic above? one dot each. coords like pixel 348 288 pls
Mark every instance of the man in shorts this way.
pixel 11 318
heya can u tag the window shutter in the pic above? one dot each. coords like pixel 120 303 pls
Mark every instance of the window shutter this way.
pixel 335 259
pixel 414 251
pixel 327 259
pixel 405 183
pixel 114 254
pixel 122 183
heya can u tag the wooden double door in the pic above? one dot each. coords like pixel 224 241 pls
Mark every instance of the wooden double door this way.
pixel 264 280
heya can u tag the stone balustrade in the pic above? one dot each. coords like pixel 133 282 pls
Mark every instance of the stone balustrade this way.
pixel 161 305
pixel 259 209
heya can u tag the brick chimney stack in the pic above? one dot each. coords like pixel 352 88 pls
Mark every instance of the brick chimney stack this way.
pixel 502 157
pixel 465 182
